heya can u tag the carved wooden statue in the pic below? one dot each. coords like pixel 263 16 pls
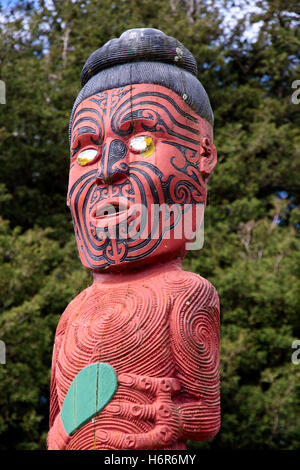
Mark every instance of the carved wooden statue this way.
pixel 136 354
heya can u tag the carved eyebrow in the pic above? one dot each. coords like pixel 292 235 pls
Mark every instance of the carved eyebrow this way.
pixel 150 95
pixel 86 130
pixel 89 110
pixel 87 118
pixel 134 116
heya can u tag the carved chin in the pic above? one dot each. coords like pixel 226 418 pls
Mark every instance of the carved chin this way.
pixel 119 230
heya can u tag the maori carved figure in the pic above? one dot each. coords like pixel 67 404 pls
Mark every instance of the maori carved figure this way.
pixel 136 354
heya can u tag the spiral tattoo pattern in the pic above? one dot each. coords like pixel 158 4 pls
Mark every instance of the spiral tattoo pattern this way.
pixel 171 175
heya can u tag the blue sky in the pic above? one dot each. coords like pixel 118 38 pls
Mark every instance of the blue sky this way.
pixel 242 8
pixel 6 2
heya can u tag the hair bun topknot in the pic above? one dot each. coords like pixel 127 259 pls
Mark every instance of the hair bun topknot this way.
pixel 144 55
pixel 136 45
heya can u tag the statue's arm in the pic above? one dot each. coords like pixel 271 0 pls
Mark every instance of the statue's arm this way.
pixel 91 389
pixel 54 405
pixel 195 333
pixel 57 437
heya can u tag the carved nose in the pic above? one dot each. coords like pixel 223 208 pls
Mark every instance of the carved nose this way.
pixel 113 163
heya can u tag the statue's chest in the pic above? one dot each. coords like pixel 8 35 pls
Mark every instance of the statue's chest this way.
pixel 125 327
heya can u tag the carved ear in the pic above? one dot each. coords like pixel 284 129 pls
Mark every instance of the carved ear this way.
pixel 208 157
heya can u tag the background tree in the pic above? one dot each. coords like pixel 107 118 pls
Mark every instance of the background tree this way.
pixel 251 250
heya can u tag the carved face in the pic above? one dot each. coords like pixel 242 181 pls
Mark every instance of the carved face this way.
pixel 140 158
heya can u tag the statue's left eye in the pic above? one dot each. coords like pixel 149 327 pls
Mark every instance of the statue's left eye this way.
pixel 86 156
pixel 142 144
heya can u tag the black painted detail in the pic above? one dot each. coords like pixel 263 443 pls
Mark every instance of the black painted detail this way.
pixel 135 45
pixel 112 162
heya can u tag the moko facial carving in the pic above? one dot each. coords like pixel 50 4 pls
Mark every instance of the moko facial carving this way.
pixel 135 154
pixel 136 355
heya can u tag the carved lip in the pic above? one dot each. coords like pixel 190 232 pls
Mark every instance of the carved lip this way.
pixel 111 211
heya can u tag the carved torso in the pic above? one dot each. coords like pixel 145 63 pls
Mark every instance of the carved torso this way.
pixel 117 323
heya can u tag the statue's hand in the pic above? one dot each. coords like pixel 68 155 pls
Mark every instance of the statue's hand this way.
pixel 82 403
pixel 92 388
pixel 163 412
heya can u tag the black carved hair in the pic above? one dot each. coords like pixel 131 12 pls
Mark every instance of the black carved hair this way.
pixel 144 55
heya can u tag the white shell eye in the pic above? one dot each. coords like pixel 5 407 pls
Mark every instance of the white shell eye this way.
pixel 142 144
pixel 139 144
pixel 86 156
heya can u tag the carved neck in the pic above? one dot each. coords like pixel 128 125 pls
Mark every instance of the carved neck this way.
pixel 138 273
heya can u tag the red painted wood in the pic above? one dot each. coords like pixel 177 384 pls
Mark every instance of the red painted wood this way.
pixel 155 324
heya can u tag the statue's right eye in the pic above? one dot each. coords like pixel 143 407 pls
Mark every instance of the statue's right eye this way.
pixel 87 156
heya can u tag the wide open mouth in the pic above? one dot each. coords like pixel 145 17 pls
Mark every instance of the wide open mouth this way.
pixel 113 208
pixel 111 211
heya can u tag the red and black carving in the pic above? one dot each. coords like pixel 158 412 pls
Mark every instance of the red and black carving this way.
pixel 160 333
pixel 106 123
pixel 141 153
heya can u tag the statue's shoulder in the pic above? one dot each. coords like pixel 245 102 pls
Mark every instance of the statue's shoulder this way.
pixel 71 308
pixel 186 277
pixel 191 286
pixel 78 300
pixel 194 277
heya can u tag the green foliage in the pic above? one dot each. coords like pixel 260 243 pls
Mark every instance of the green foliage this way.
pixel 252 242
pixel 37 279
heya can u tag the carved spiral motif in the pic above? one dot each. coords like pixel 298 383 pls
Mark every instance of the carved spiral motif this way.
pixel 106 123
pixel 160 334
pixel 196 329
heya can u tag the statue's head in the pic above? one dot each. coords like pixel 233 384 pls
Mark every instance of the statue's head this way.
pixel 141 138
